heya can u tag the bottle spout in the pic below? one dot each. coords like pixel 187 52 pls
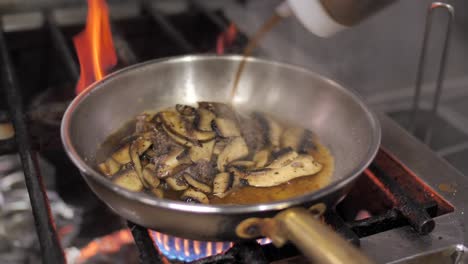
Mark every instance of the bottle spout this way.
pixel 312 16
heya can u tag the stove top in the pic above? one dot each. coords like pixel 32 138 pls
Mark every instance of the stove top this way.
pixel 406 192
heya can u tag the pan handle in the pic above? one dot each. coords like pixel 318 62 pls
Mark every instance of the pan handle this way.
pixel 317 241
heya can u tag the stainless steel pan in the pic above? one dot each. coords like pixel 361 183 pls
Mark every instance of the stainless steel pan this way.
pixel 340 119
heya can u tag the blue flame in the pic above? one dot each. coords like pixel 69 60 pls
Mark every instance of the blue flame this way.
pixel 176 248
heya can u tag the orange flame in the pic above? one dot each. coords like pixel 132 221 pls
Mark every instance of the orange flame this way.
pixel 226 38
pixel 108 244
pixel 94 45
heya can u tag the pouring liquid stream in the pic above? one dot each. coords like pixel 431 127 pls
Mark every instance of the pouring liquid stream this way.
pixel 266 27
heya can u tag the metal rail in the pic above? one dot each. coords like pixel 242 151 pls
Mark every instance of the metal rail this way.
pixel 50 245
pixel 421 67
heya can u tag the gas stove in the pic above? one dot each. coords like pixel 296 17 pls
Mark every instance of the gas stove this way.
pixel 408 206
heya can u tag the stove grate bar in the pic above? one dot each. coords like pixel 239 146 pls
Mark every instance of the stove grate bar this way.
pixel 168 27
pixel 339 225
pixel 222 25
pixel 123 48
pixel 145 245
pixel 45 228
pixel 414 213
pixel 60 44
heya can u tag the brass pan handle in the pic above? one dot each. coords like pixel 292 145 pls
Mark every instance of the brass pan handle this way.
pixel 317 241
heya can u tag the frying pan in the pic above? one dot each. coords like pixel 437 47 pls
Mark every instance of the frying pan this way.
pixel 339 118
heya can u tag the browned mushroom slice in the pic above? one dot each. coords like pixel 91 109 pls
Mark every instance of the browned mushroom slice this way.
pixel 219 109
pixel 283 158
pixel 261 158
pixel 235 149
pixel 292 138
pixel 196 184
pixel 177 183
pixel 109 167
pixel 219 146
pixel 204 152
pixel 303 165
pixel 150 175
pixel 271 128
pixel 246 164
pixel 137 163
pixel 182 141
pixel 307 144
pixel 122 155
pixel 167 164
pixel 186 110
pixel 174 122
pixel 157 192
pixel 238 172
pixel 142 144
pixel 225 127
pixel 129 180
pixel 204 119
pixel 193 196
pixel 223 182
pixel 150 154
pixel 299 139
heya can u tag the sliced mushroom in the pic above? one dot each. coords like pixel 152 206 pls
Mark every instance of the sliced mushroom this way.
pixel 225 127
pixel 283 158
pixel 238 171
pixel 122 155
pixel 303 165
pixel 261 158
pixel 204 119
pixel 272 129
pixel 299 139
pixel 109 167
pixel 150 175
pixel 196 184
pixel 219 146
pixel 149 154
pixel 129 180
pixel 204 152
pixel 246 164
pixel 292 138
pixel 174 122
pixel 177 183
pixel 179 140
pixel 157 192
pixel 307 144
pixel 236 149
pixel 167 164
pixel 219 109
pixel 142 144
pixel 193 196
pixel 186 110
pixel 137 163
pixel 223 182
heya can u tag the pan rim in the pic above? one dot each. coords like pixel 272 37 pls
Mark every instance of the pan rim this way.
pixel 225 209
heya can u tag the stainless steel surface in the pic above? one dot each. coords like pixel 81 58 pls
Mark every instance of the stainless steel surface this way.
pixel 403 244
pixel 421 67
pixel 339 118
